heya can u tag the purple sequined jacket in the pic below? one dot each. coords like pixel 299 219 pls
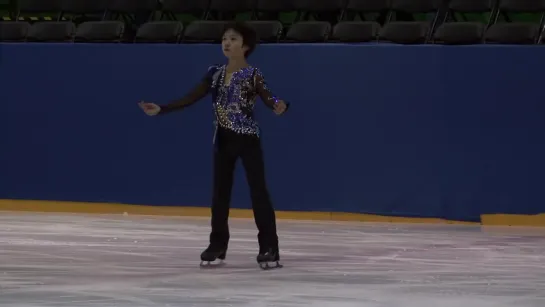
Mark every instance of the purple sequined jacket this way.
pixel 234 102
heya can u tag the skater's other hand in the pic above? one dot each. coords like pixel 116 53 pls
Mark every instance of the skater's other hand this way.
pixel 280 107
pixel 149 108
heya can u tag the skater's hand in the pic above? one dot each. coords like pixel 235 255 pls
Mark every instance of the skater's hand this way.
pixel 280 107
pixel 149 108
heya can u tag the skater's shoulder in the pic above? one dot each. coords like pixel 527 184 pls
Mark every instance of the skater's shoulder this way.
pixel 256 71
pixel 213 68
pixel 213 71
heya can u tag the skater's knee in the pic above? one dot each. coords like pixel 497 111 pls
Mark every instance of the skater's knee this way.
pixel 260 194
pixel 263 205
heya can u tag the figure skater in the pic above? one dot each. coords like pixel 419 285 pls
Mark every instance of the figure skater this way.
pixel 234 88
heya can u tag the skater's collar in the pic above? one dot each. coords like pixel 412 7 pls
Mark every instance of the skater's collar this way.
pixel 243 68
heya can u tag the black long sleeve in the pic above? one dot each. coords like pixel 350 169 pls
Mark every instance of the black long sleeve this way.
pixel 197 93
pixel 264 92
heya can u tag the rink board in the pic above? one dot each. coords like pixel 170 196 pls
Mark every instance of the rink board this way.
pixel 374 132
pixel 111 208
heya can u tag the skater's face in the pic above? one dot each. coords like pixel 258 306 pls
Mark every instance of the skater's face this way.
pixel 232 44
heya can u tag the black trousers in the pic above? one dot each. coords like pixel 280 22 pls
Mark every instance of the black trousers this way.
pixel 230 147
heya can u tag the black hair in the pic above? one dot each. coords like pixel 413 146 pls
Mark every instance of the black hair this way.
pixel 249 36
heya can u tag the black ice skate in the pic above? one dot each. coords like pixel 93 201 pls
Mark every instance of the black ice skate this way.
pixel 267 256
pixel 211 254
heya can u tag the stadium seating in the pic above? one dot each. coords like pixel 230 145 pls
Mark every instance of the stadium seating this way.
pixel 279 21
pixel 100 31
pixel 160 32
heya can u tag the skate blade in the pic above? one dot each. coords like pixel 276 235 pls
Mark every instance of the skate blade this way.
pixel 211 264
pixel 266 266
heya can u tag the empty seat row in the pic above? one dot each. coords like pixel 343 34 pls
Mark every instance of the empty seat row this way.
pixel 105 31
pixel 342 7
pixel 190 6
pixel 207 31
pixel 460 33
pixel 443 24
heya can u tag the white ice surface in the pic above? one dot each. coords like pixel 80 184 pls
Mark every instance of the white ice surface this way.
pixel 94 260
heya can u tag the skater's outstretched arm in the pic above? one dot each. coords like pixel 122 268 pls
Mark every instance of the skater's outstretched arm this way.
pixel 271 100
pixel 197 93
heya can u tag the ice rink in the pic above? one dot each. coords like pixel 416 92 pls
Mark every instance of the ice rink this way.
pixel 104 260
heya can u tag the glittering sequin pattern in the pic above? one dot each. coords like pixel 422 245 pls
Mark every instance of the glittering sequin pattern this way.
pixel 234 102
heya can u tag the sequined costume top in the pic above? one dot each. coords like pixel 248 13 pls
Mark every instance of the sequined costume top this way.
pixel 234 102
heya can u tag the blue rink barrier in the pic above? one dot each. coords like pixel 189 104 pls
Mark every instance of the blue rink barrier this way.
pixel 411 131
